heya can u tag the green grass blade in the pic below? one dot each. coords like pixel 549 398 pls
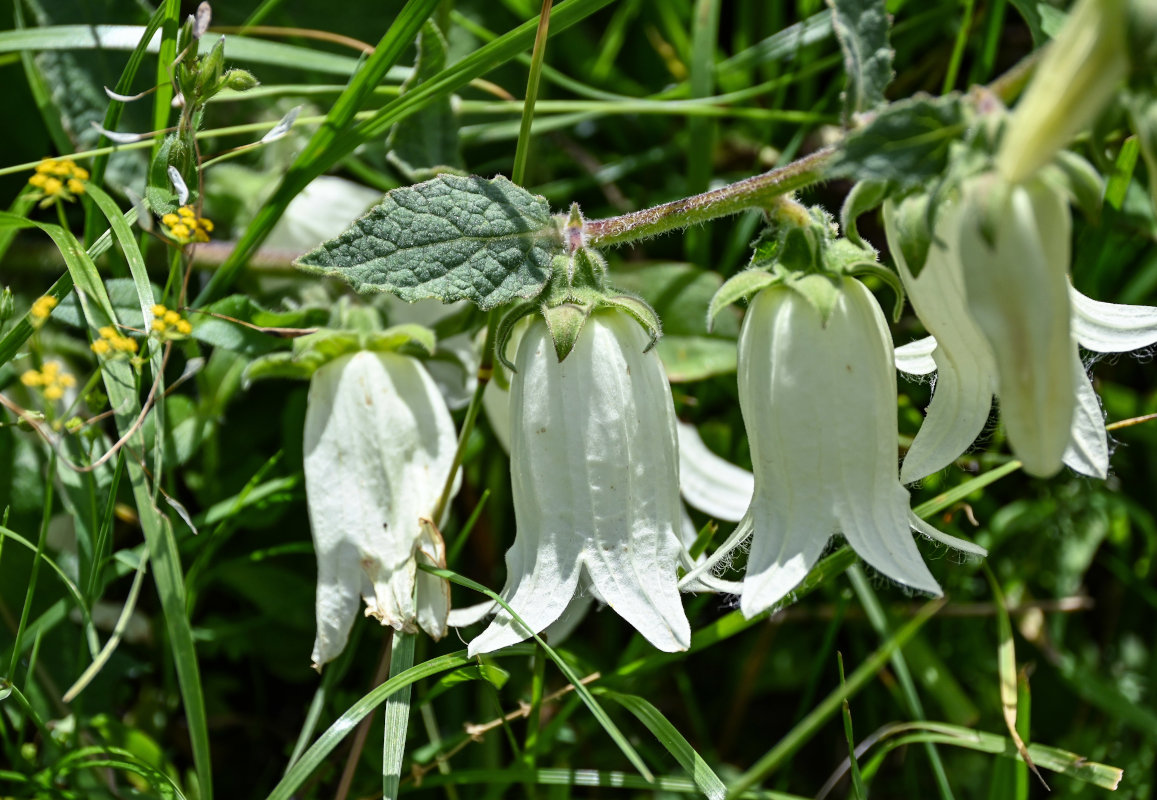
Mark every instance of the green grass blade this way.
pixel 1054 759
pixel 112 116
pixel 858 791
pixel 580 688
pixel 673 741
pixel 397 716
pixel 30 589
pixel 830 705
pixel 879 622
pixel 347 722
pixel 522 149
pixel 120 386
pixel 41 93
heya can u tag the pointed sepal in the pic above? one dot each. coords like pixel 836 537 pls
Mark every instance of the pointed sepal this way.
pixel 506 326
pixel 565 322
pixel 738 287
pixel 864 197
pixel 642 313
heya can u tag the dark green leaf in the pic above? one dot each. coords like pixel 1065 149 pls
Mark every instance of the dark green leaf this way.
pixel 861 26
pixel 907 143
pixel 453 238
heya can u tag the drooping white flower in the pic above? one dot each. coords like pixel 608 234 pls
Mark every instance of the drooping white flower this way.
pixel 1026 352
pixel 379 443
pixel 1098 327
pixel 594 471
pixel 819 403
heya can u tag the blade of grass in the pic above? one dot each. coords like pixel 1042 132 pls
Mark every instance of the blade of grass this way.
pixel 1006 667
pixel 296 776
pixel 958 48
pixel 1051 758
pixel 110 646
pixel 397 716
pixel 116 107
pixel 30 589
pixel 673 741
pixel 858 790
pixel 522 149
pixel 580 688
pixel 701 131
pixel 830 705
pixel 879 622
pixel 120 386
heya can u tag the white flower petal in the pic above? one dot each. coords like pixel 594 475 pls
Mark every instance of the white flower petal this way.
pixel 433 593
pixel 712 484
pixel 915 358
pixel 321 211
pixel 819 403
pixel 965 369
pixel 956 415
pixel 1018 294
pixel 378 444
pixel 575 612
pixel 468 615
pixel 1112 327
pixel 1088 448
pixel 594 470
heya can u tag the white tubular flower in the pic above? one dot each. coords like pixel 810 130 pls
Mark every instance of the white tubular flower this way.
pixel 819 403
pixel 594 471
pixel 1098 327
pixel 1007 322
pixel 379 443
pixel 1014 251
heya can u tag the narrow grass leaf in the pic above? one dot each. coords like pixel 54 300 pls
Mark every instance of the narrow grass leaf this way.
pixel 858 790
pixel 673 741
pixel 580 688
pixel 397 716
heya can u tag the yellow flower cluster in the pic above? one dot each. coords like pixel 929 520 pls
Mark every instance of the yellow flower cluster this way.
pixel 113 342
pixel 50 379
pixel 58 178
pixel 185 226
pixel 41 308
pixel 170 324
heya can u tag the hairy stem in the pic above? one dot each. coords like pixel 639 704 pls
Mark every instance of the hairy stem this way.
pixel 755 192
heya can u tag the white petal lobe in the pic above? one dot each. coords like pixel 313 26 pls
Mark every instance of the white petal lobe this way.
pixel 1112 327
pixel 712 484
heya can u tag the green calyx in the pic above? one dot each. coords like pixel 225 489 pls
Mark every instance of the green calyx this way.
pixel 354 328
pixel 802 250
pixel 578 287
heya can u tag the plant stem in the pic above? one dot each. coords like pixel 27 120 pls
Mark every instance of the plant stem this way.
pixel 522 150
pixel 755 192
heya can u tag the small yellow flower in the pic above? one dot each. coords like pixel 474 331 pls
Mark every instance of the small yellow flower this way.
pixel 113 342
pixel 185 226
pixel 41 309
pixel 169 323
pixel 58 179
pixel 50 379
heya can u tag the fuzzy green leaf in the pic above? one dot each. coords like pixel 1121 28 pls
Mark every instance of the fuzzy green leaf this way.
pixel 907 143
pixel 453 238
pixel 861 26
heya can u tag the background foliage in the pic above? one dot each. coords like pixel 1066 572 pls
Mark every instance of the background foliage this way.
pixel 640 103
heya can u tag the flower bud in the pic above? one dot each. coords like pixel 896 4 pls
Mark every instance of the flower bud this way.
pixel 1073 82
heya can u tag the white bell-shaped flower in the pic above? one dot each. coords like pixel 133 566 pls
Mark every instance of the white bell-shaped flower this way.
pixel 379 443
pixel 594 472
pixel 1026 350
pixel 819 403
